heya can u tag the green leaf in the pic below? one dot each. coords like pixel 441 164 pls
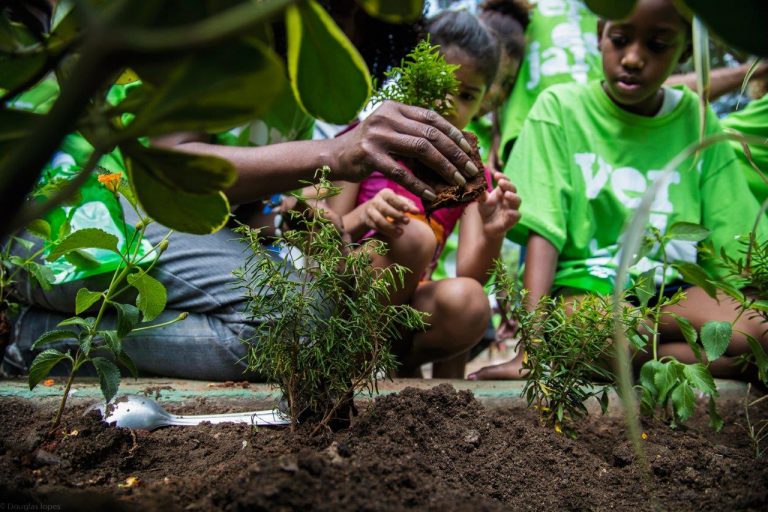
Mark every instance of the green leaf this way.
pixel 715 420
pixel 604 401
pixel 109 376
pixel 152 295
pixel 40 228
pixel 209 90
pixel 646 286
pixel 664 379
pixel 112 340
pixel 329 77
pixel 698 376
pixel 696 275
pixel 91 238
pixel 730 290
pixel 51 336
pixel 17 69
pixel 43 364
pixel 689 333
pixel 127 318
pixel 42 274
pixel 741 24
pixel 611 9
pixel 715 336
pixel 124 359
pixel 647 376
pixel 86 323
pixel 199 214
pixel 687 231
pixel 761 358
pixel 85 299
pixel 393 11
pixel 196 174
pixel 683 401
pixel 86 342
pixel 81 259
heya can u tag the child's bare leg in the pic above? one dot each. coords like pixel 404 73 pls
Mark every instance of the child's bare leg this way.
pixel 458 312
pixel 414 250
pixel 699 308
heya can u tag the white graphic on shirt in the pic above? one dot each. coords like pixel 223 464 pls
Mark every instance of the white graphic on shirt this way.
pixel 570 46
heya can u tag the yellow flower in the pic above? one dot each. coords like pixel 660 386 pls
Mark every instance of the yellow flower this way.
pixel 111 180
pixel 644 436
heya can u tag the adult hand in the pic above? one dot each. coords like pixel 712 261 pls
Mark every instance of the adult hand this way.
pixel 386 212
pixel 499 210
pixel 412 132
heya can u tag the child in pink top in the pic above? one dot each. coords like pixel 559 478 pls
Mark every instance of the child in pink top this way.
pixel 458 310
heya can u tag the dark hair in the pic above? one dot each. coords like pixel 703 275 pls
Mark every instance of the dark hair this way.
pixel 508 19
pixel 464 30
pixel 381 44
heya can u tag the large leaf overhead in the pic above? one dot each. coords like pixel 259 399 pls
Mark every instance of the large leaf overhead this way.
pixel 611 9
pixel 393 11
pixel 328 75
pixel 199 214
pixel 741 24
pixel 205 90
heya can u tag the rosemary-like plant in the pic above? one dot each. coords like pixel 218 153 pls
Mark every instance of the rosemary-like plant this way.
pixel 424 79
pixel 324 321
pixel 567 345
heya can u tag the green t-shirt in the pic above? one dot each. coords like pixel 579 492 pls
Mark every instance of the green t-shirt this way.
pixel 483 130
pixel 753 120
pixel 561 46
pixel 582 164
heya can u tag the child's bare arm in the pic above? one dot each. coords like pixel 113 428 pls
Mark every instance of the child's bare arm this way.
pixel 385 213
pixel 540 265
pixel 483 228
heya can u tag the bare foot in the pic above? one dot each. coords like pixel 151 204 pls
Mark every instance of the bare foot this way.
pixel 511 370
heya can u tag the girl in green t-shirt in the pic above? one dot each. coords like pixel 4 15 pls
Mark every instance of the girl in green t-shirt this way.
pixel 586 155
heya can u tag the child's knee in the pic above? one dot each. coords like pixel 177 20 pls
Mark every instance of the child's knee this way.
pixel 416 246
pixel 463 301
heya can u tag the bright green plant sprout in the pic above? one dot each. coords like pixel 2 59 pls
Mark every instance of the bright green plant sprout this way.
pixel 424 79
pixel 324 326
pixel 94 342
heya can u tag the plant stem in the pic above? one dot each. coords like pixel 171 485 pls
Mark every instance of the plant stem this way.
pixel 75 366
pixel 657 309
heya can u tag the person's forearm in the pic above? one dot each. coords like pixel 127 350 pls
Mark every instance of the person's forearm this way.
pixel 476 260
pixel 721 80
pixel 354 224
pixel 269 169
pixel 540 265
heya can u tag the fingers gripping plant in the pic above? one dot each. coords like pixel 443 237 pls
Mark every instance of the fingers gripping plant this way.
pixel 322 315
pixel 98 345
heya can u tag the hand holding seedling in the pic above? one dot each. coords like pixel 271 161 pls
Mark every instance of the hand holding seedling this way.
pixel 499 209
pixel 405 131
pixel 386 212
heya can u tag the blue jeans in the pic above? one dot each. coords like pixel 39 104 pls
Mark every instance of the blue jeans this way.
pixel 197 273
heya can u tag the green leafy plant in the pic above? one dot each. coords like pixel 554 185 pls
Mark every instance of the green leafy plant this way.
pixel 163 49
pixel 10 267
pixel 567 346
pixel 94 341
pixel 323 320
pixel 665 381
pixel 424 79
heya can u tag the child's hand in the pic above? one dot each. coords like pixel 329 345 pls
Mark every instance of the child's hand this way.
pixel 386 212
pixel 499 209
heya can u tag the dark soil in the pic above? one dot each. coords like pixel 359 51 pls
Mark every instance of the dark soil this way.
pixel 452 195
pixel 422 450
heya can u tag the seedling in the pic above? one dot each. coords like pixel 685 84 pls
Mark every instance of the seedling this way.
pixel 93 340
pixel 323 319
pixel 424 79
pixel 567 346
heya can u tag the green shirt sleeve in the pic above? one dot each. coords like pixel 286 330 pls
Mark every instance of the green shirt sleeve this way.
pixel 538 168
